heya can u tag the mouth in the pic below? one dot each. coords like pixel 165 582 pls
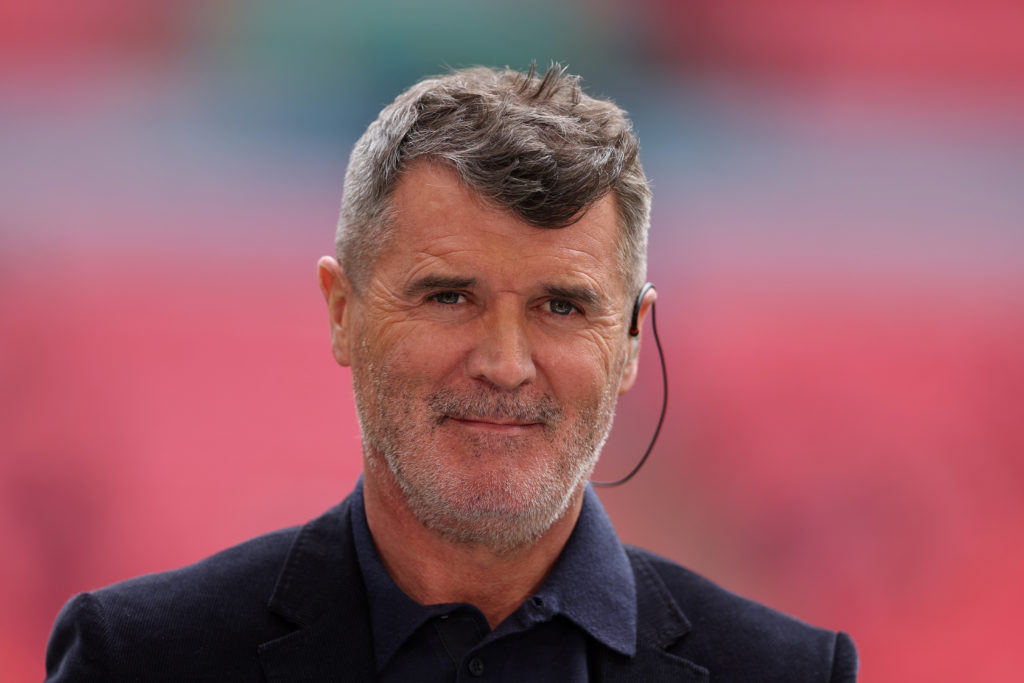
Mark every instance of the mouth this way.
pixel 492 423
pixel 495 413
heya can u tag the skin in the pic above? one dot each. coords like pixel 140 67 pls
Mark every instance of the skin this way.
pixel 486 356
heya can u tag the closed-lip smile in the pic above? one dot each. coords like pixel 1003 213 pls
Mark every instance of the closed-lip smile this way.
pixel 493 422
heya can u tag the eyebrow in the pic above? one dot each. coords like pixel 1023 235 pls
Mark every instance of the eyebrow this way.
pixel 584 295
pixel 435 282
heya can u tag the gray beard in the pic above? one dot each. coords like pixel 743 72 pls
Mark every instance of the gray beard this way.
pixel 505 515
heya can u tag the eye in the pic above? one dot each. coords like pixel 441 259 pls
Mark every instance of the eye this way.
pixel 562 307
pixel 448 298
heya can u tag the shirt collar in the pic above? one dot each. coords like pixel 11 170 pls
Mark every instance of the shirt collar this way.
pixel 394 616
pixel 591 584
pixel 592 580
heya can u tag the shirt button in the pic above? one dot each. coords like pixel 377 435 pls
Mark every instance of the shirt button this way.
pixel 476 666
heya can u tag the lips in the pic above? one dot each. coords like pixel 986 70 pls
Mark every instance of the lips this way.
pixel 492 422
pixel 503 420
pixel 498 410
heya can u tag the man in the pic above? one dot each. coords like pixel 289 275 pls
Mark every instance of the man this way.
pixel 491 244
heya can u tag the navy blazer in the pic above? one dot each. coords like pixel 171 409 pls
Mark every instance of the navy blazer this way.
pixel 291 606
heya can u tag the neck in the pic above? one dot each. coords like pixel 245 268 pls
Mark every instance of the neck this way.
pixel 433 569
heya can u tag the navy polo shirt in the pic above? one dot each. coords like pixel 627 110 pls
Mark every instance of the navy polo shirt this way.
pixel 587 601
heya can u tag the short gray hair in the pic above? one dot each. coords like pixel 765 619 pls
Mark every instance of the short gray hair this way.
pixel 537 146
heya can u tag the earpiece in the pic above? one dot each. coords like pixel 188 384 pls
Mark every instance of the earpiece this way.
pixel 634 322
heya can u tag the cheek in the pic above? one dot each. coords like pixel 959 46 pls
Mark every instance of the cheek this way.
pixel 414 358
pixel 585 373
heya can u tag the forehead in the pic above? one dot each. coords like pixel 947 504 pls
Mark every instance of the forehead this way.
pixel 438 221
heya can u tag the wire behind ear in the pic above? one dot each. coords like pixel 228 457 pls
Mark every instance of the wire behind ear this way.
pixel 634 332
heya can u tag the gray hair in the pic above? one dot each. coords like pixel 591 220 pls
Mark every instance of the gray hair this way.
pixel 537 146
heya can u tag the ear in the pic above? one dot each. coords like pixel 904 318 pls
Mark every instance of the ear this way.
pixel 338 293
pixel 630 369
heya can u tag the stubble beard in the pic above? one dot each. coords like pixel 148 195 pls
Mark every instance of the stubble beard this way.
pixel 506 509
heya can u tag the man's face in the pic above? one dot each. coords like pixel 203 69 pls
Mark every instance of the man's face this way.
pixel 487 356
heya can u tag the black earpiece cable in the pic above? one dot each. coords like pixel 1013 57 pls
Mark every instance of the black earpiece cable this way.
pixel 664 395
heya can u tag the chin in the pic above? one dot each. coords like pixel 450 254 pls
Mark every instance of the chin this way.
pixel 503 511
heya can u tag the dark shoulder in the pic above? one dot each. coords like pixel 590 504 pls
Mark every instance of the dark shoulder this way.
pixel 243 573
pixel 709 606
pixel 739 639
pixel 163 621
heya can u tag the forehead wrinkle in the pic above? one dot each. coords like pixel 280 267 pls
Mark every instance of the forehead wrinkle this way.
pixel 592 258
pixel 431 262
pixel 588 258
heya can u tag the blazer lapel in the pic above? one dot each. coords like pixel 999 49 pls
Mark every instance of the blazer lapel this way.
pixel 660 624
pixel 320 591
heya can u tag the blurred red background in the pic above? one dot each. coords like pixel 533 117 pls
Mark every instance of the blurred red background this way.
pixel 837 242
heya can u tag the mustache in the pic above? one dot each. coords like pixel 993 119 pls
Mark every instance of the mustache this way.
pixel 485 404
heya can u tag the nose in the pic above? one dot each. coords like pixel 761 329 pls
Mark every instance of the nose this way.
pixel 502 355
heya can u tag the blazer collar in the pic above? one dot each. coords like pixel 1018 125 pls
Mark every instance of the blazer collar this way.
pixel 320 591
pixel 661 623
